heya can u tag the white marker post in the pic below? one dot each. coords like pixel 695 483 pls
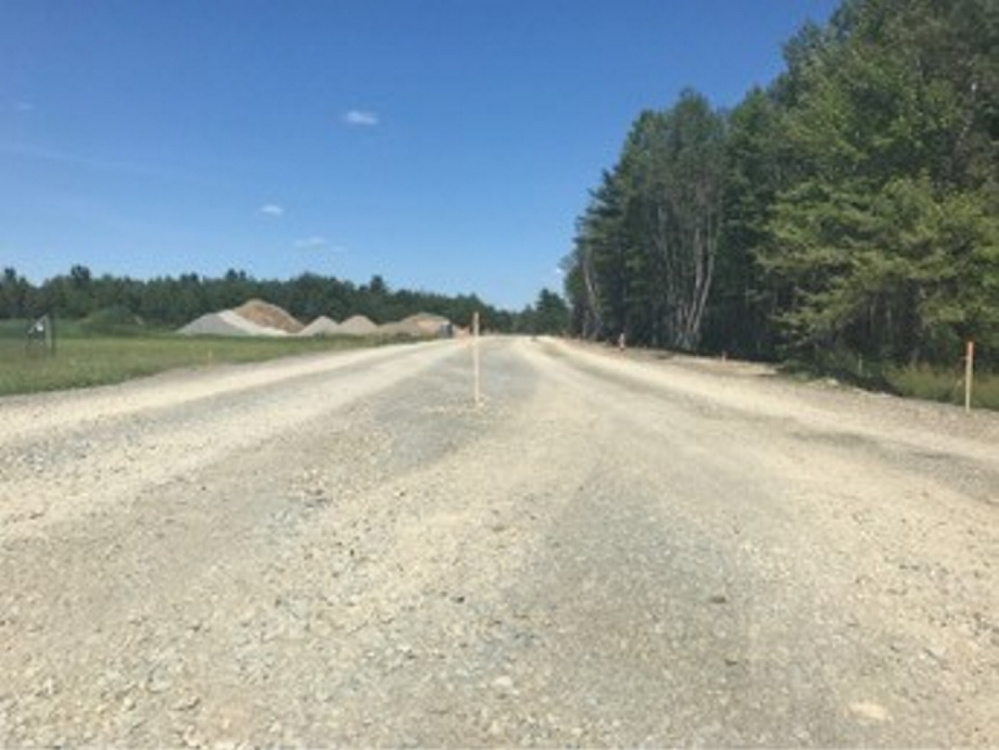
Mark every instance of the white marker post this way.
pixel 969 373
pixel 475 358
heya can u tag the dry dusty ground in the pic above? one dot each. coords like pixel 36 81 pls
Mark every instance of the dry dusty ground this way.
pixel 610 551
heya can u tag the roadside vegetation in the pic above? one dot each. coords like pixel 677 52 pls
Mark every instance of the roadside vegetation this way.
pixel 844 218
pixel 85 357
pixel 944 385
pixel 923 381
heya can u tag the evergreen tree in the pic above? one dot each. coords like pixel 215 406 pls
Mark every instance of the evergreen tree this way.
pixel 894 211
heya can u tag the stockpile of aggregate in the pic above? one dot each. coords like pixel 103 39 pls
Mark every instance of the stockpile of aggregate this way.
pixel 227 323
pixel 357 325
pixel 268 315
pixel 321 326
pixel 259 318
pixel 421 325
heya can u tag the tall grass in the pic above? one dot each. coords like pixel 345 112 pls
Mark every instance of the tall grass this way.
pixel 82 360
pixel 914 381
pixel 944 385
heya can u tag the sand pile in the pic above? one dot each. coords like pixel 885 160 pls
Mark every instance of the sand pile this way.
pixel 357 325
pixel 259 318
pixel 321 326
pixel 227 323
pixel 421 325
pixel 268 315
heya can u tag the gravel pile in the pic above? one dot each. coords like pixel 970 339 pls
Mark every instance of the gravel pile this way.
pixel 421 325
pixel 227 323
pixel 268 315
pixel 358 325
pixel 258 318
pixel 321 326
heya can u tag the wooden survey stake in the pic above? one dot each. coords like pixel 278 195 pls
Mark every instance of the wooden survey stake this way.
pixel 475 358
pixel 969 373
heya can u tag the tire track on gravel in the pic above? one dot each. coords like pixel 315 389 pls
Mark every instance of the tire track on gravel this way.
pixel 65 454
pixel 582 561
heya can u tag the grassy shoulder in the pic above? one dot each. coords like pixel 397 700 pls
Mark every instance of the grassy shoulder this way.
pixel 946 386
pixel 915 381
pixel 83 359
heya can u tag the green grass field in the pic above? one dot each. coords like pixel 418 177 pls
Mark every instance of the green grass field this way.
pixel 82 360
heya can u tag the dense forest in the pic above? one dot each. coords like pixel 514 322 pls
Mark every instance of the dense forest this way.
pixel 848 212
pixel 168 302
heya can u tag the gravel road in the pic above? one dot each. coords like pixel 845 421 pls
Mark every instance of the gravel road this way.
pixel 611 550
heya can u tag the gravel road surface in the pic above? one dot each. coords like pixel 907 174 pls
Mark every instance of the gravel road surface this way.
pixel 611 550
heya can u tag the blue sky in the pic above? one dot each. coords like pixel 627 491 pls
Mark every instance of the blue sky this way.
pixel 447 145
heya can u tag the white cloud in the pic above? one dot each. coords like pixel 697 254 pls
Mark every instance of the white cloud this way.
pixel 272 209
pixel 360 117
pixel 311 243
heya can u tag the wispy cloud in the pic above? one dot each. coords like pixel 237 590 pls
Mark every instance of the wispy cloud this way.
pixel 24 151
pixel 272 209
pixel 318 242
pixel 22 107
pixel 311 243
pixel 361 118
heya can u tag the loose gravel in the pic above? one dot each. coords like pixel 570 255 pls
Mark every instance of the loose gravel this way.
pixel 343 550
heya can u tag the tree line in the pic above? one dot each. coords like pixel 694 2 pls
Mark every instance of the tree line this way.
pixel 848 210
pixel 169 302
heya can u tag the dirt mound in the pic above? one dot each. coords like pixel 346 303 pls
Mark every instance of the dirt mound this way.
pixel 321 326
pixel 357 325
pixel 268 315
